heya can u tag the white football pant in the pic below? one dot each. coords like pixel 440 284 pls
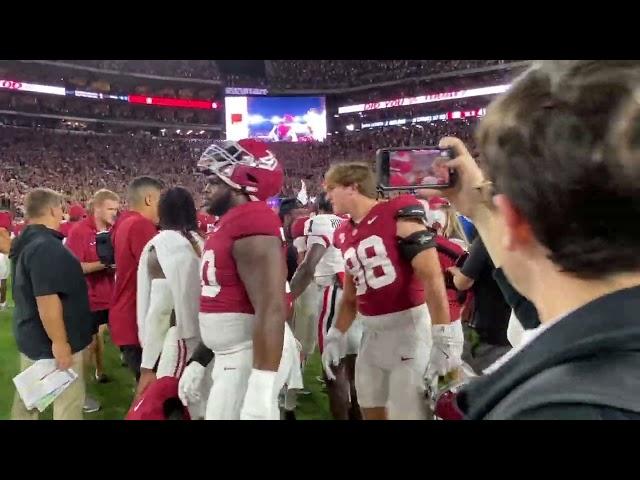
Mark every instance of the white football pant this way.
pixel 392 362
pixel 230 376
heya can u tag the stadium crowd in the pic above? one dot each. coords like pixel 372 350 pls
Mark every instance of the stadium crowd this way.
pixel 77 164
pixel 384 280
pixel 200 69
pixel 348 73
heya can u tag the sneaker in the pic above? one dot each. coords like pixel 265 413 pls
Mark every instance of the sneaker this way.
pixel 102 378
pixel 91 405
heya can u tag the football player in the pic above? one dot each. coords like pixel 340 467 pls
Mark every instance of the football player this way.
pixel 242 304
pixel 392 269
pixel 322 271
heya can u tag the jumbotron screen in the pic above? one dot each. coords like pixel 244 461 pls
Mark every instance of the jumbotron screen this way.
pixel 276 119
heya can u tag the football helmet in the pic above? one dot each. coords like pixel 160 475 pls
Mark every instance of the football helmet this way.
pixel 440 395
pixel 246 165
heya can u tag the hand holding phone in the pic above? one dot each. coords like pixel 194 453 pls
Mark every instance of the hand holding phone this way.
pixel 413 168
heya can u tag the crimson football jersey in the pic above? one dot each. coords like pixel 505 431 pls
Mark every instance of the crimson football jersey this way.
pixel 385 282
pixel 451 255
pixel 206 222
pixel 222 288
pixel 297 227
pixel 153 403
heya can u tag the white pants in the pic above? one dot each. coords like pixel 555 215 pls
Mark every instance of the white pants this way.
pixel 5 266
pixel 392 361
pixel 175 354
pixel 305 320
pixel 328 304
pixel 230 376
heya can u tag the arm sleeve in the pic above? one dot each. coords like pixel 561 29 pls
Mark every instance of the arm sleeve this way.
pixel 140 234
pixel 525 310
pixel 477 260
pixel 49 270
pixel 157 322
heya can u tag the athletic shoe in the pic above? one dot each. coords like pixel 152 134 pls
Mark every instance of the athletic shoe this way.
pixel 91 405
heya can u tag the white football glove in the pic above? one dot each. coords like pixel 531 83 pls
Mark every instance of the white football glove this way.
pixel 190 383
pixel 335 348
pixel 446 351
pixel 259 402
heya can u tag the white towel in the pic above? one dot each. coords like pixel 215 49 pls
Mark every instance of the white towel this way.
pixel 181 267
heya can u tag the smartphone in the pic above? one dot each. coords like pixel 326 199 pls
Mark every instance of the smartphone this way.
pixel 412 168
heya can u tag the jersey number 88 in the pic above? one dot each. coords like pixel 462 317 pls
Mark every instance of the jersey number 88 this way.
pixel 370 265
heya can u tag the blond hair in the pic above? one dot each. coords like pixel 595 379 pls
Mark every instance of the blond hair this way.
pixel 100 196
pixel 39 199
pixel 352 173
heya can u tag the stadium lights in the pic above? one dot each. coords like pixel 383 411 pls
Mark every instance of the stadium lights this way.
pixel 350 127
pixel 201 132
pixel 178 131
pixel 189 132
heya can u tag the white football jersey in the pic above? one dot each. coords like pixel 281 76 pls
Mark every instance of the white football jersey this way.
pixel 320 231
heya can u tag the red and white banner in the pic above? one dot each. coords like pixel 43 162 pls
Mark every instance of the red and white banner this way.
pixel 31 87
pixel 436 97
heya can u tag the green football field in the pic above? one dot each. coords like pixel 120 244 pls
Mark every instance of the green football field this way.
pixel 116 395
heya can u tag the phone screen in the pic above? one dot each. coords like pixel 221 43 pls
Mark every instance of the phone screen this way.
pixel 419 167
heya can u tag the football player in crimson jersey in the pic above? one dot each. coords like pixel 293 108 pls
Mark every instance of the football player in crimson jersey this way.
pixel 242 304
pixel 322 271
pixel 392 268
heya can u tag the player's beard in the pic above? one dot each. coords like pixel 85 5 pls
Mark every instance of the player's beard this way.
pixel 219 205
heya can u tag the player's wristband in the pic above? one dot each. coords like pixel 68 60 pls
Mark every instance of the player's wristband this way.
pixel 202 355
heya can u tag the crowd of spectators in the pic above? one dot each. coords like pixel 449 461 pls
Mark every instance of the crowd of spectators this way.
pixel 79 164
pixel 349 73
pixel 201 69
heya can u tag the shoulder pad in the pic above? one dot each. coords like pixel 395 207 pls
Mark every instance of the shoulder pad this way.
pixel 411 211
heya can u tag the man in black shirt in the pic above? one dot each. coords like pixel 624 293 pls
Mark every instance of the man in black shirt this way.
pixel 51 319
pixel 490 310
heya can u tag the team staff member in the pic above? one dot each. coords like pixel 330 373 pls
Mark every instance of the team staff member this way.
pixel 52 303
pixel 98 273
pixel 129 239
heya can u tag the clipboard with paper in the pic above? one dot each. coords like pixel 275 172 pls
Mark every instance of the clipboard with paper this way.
pixel 41 383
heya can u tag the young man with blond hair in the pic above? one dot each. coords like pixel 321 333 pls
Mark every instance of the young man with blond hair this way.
pixel 394 282
pixel 99 273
